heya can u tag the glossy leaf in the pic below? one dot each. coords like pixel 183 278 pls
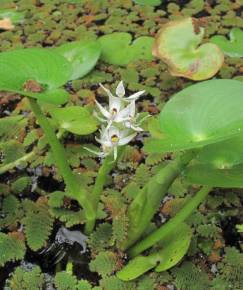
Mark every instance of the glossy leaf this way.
pixel 118 48
pixel 223 154
pixel 233 46
pixel 205 174
pixel 83 56
pixel 178 45
pixel 173 249
pixel 201 114
pixel 77 120
pixel 42 66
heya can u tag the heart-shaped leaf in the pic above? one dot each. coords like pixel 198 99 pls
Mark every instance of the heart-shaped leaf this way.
pixel 173 249
pixel 83 56
pixel 205 174
pixel 77 120
pixel 223 154
pixel 36 73
pixel 148 2
pixel 233 46
pixel 201 114
pixel 117 48
pixel 178 45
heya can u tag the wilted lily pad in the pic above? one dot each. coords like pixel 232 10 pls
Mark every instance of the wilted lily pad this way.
pixel 83 56
pixel 148 2
pixel 173 249
pixel 234 45
pixel 178 45
pixel 205 174
pixel 204 113
pixel 118 48
pixel 77 120
pixel 36 73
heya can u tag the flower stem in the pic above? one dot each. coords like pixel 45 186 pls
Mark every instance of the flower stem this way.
pixel 107 165
pixel 146 203
pixel 172 224
pixel 74 189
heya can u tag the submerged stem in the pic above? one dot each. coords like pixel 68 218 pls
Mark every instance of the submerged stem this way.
pixel 171 225
pixel 74 189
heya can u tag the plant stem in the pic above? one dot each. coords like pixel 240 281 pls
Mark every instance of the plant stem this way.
pixel 172 224
pixel 17 162
pixel 146 203
pixel 74 189
pixel 106 167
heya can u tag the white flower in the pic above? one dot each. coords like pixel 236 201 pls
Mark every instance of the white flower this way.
pixel 110 139
pixel 113 137
pixel 120 92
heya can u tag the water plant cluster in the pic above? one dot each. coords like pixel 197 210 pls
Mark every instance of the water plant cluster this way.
pixel 121 154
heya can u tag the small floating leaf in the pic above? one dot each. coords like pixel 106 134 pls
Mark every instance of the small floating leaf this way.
pixel 118 48
pixel 148 2
pixel 83 56
pixel 36 73
pixel 77 120
pixel 234 45
pixel 173 249
pixel 178 45
pixel 204 113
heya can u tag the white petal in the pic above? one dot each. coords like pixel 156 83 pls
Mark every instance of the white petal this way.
pixel 114 103
pixel 125 114
pixel 106 90
pixel 136 128
pixel 103 110
pixel 103 142
pixel 135 96
pixel 100 154
pixel 127 139
pixel 113 131
pixel 98 117
pixel 120 90
pixel 115 152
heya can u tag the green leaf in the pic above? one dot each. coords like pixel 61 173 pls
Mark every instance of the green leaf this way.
pixel 205 174
pixel 44 67
pixel 37 224
pixel 172 251
pixel 148 2
pixel 223 154
pixel 178 45
pixel 117 48
pixel 83 56
pixel 75 119
pixel 10 249
pixel 233 46
pixel 15 16
pixel 204 113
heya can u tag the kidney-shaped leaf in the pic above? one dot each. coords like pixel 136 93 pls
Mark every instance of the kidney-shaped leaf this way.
pixel 205 174
pixel 77 120
pixel 35 72
pixel 173 249
pixel 117 48
pixel 223 154
pixel 234 45
pixel 178 45
pixel 83 56
pixel 201 114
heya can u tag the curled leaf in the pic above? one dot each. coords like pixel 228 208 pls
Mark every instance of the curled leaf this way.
pixel 178 45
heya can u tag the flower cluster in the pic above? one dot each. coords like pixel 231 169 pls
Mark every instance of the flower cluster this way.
pixel 120 121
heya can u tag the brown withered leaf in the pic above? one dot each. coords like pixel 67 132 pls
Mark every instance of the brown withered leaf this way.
pixel 6 24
